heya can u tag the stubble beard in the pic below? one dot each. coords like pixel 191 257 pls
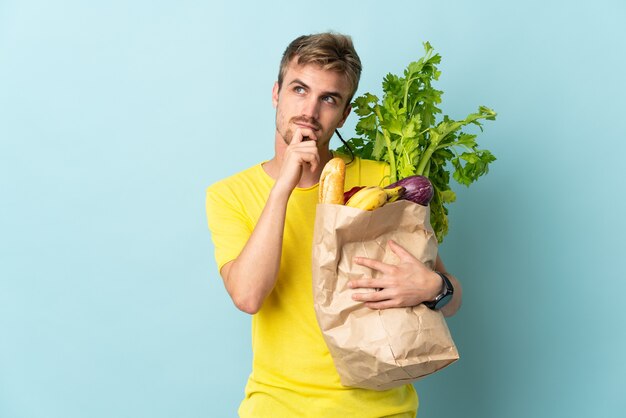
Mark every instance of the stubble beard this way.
pixel 286 132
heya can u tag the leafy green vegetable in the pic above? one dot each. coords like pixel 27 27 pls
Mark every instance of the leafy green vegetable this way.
pixel 403 130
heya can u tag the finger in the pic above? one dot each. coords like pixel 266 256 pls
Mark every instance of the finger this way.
pixel 315 163
pixel 296 138
pixel 371 296
pixel 366 283
pixel 400 251
pixel 308 155
pixel 373 264
pixel 385 304
pixel 303 135
pixel 308 134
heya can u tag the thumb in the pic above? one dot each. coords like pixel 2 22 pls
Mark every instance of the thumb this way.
pixel 296 137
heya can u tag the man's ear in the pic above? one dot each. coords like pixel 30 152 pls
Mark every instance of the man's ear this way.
pixel 275 90
pixel 345 115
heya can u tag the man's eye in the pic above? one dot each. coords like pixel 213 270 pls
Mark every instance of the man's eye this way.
pixel 299 89
pixel 329 99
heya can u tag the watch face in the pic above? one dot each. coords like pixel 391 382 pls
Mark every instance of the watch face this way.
pixel 448 291
pixel 443 301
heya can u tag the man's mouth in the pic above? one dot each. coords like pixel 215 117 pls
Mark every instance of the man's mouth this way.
pixel 303 124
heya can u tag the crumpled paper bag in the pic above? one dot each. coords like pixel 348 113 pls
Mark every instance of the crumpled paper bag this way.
pixel 375 349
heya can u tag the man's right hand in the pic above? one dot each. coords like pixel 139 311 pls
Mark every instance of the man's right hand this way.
pixel 252 275
pixel 298 156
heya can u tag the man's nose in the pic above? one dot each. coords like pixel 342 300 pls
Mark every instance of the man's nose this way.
pixel 311 108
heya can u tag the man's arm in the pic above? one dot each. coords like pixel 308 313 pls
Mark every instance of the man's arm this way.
pixel 251 276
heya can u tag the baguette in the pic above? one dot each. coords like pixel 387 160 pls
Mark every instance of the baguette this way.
pixel 332 182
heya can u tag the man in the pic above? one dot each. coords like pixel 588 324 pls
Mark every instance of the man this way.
pixel 262 226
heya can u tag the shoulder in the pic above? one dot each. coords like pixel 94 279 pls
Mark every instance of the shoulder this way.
pixel 366 172
pixel 244 192
pixel 372 165
pixel 362 163
pixel 243 179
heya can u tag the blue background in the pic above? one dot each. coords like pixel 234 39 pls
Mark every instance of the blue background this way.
pixel 115 117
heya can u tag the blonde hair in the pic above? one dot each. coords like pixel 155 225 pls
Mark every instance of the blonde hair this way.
pixel 331 51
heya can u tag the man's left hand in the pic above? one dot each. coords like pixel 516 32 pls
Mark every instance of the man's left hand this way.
pixel 408 283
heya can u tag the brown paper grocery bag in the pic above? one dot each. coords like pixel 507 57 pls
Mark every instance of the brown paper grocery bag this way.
pixel 375 349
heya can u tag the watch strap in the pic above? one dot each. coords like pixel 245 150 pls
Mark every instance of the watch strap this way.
pixel 445 296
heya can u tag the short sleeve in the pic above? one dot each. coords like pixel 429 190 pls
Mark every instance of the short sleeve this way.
pixel 228 222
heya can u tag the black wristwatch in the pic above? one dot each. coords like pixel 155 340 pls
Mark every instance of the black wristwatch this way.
pixel 444 297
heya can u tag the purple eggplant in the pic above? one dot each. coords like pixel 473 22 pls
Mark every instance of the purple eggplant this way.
pixel 418 189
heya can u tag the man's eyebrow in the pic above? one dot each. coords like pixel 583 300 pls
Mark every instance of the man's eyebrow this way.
pixel 326 93
pixel 298 81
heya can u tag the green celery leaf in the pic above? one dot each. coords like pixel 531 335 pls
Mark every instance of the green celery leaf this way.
pixel 448 196
pixel 362 104
pixel 406 171
pixel 379 146
pixel 367 124
pixel 393 85
pixel 393 125
pixel 466 140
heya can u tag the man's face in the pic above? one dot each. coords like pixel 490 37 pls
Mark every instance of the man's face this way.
pixel 311 99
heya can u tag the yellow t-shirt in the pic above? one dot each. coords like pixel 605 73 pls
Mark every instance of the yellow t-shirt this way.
pixel 293 374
